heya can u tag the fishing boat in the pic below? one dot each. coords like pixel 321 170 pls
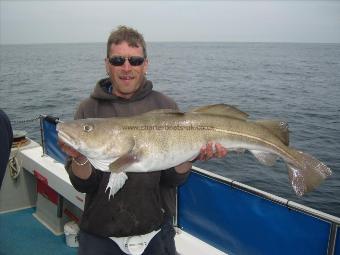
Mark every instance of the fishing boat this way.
pixel 215 215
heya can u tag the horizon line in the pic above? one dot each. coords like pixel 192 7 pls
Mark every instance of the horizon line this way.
pixel 288 42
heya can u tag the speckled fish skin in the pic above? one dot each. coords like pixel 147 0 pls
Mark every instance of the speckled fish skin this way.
pixel 162 139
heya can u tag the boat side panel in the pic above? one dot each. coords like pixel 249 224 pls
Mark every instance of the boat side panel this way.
pixel 337 242
pixel 238 222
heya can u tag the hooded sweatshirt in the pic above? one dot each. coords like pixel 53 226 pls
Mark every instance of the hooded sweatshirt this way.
pixel 139 206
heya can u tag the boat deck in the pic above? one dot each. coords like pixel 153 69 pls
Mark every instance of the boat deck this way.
pixel 21 233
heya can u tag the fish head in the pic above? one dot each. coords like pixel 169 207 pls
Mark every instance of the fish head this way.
pixel 88 136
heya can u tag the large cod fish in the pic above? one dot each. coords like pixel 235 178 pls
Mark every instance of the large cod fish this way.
pixel 162 139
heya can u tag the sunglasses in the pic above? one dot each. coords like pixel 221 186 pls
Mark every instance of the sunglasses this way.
pixel 120 60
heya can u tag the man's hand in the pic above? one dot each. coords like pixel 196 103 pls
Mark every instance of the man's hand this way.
pixel 68 149
pixel 207 152
pixel 80 165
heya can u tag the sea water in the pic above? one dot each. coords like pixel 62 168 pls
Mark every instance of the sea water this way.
pixel 294 82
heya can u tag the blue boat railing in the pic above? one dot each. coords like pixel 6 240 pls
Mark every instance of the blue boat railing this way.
pixel 239 219
pixel 236 218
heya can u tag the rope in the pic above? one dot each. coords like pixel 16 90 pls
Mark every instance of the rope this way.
pixel 14 167
pixel 13 163
pixel 35 119
pixel 25 120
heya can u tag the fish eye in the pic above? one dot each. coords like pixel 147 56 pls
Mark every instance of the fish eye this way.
pixel 87 128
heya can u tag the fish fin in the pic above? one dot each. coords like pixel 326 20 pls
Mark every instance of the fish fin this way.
pixel 265 158
pixel 114 164
pixel 116 182
pixel 164 111
pixel 124 161
pixel 222 110
pixel 102 165
pixel 278 128
pixel 306 173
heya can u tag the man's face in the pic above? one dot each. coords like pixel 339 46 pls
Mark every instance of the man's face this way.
pixel 126 79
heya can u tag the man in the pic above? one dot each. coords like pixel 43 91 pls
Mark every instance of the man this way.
pixel 6 138
pixel 137 219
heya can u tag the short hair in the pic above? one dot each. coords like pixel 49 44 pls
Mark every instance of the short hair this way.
pixel 126 34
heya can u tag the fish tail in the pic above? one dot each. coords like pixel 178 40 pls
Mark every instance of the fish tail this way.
pixel 306 172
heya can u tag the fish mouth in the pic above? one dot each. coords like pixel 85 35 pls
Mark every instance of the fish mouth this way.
pixel 66 139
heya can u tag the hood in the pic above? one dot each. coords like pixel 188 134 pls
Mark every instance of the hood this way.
pixel 101 88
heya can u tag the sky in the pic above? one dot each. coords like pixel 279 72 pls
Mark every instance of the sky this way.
pixel 27 22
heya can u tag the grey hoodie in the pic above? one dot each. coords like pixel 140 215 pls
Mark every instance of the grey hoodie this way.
pixel 139 207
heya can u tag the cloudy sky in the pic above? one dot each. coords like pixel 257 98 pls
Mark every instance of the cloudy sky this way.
pixel 91 21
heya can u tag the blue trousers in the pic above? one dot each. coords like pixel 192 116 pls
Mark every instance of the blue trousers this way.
pixel 162 244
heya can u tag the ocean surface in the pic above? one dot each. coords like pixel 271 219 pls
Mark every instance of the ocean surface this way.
pixel 295 82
